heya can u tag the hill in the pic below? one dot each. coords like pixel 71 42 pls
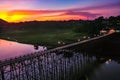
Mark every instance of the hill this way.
pixel 3 22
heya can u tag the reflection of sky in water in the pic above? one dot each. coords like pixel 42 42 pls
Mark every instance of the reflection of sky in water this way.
pixel 10 49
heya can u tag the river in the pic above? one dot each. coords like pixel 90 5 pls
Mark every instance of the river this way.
pixel 11 49
pixel 64 65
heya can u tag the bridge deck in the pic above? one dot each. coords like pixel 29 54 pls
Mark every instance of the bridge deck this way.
pixel 33 55
pixel 78 43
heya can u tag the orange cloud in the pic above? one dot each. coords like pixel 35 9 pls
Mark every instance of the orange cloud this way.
pixel 29 15
pixel 12 13
pixel 25 15
pixel 25 12
pixel 41 15
pixel 60 17
pixel 5 7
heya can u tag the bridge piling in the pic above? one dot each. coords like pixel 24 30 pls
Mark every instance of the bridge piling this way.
pixel 2 73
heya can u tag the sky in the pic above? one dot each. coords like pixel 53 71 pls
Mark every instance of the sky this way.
pixel 44 10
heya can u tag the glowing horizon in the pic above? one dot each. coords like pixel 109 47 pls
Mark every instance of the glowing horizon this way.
pixel 43 10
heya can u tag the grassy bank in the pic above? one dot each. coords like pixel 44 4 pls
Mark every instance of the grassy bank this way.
pixel 49 39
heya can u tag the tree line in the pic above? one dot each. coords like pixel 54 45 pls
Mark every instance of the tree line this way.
pixel 78 26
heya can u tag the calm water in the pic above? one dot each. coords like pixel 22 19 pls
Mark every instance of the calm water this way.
pixel 109 70
pixel 64 65
pixel 9 49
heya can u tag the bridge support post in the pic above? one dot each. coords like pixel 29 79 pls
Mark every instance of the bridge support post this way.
pixel 2 73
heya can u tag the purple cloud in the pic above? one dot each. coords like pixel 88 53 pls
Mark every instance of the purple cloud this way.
pixel 87 14
pixel 99 6
pixel 76 11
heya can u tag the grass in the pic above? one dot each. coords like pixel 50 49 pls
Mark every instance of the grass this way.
pixel 49 39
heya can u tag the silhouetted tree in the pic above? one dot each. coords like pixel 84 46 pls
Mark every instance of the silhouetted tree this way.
pixel 2 24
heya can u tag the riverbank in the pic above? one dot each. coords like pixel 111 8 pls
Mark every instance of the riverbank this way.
pixel 48 39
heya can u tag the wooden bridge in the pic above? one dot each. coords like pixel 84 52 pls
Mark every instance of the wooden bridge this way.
pixel 60 63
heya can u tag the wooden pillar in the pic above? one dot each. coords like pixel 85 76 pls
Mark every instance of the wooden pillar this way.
pixel 2 73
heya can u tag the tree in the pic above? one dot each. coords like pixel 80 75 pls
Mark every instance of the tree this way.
pixel 87 27
pixel 2 24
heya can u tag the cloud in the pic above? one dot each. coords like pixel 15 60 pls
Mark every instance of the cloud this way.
pixel 40 12
pixel 74 13
pixel 16 4
pixel 87 14
pixel 25 12
pixel 96 7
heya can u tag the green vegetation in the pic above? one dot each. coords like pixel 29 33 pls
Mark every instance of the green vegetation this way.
pixel 50 39
pixel 55 33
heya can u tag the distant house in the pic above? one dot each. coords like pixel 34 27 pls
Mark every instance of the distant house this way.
pixel 107 31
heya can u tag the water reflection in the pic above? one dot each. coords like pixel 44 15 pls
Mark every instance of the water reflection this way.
pixel 109 70
pixel 9 49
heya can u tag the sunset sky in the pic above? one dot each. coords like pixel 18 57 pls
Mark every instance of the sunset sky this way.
pixel 28 10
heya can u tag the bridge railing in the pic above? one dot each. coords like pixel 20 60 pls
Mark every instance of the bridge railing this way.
pixel 47 64
pixel 59 65
pixel 33 55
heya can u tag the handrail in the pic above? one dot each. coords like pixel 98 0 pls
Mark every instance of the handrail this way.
pixel 36 54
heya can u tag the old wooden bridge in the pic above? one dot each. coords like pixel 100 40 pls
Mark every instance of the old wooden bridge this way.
pixel 61 63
